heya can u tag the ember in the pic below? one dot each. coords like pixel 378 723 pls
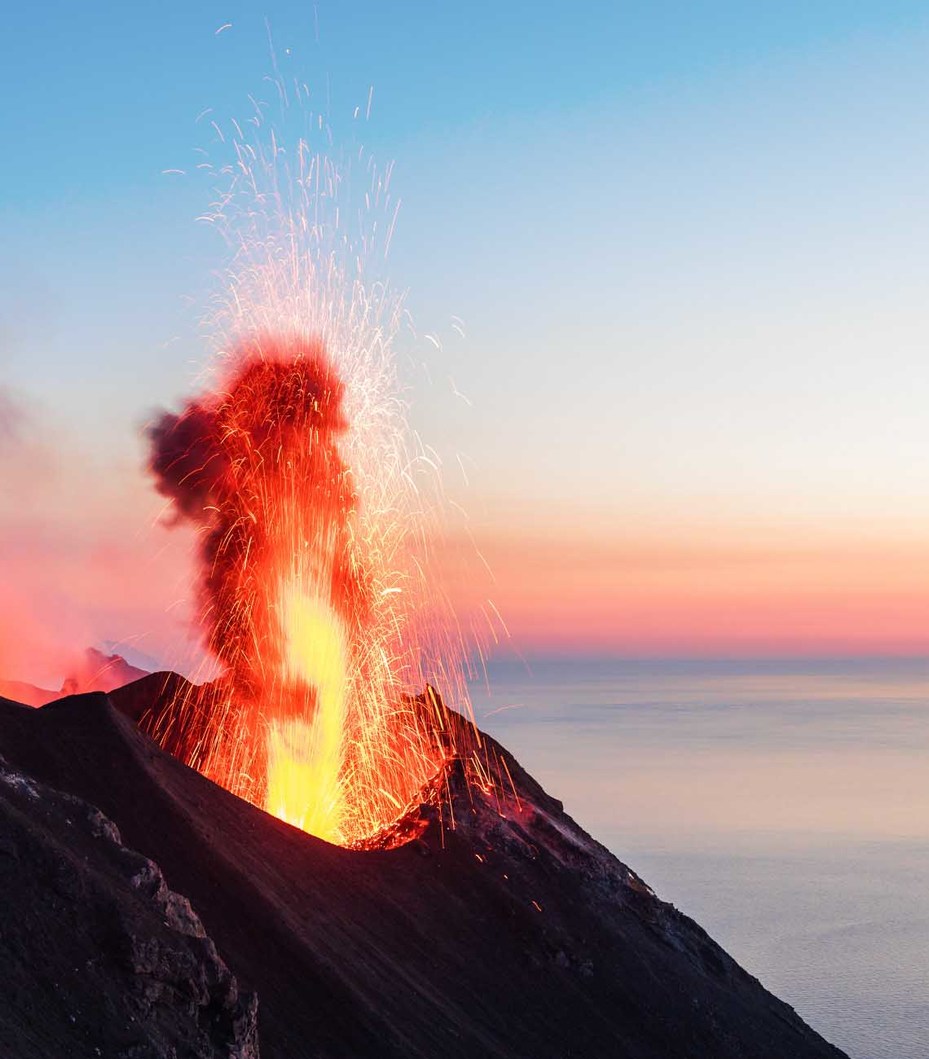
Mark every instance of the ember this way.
pixel 298 468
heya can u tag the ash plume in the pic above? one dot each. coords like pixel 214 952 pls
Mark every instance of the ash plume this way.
pixel 295 593
pixel 233 463
pixel 186 460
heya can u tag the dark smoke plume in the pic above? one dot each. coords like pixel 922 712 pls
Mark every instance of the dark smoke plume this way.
pixel 186 459
pixel 256 465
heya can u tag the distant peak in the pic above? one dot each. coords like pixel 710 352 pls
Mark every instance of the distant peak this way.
pixel 97 671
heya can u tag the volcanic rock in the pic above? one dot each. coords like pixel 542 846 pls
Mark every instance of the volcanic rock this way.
pixel 97 671
pixel 99 957
pixel 501 929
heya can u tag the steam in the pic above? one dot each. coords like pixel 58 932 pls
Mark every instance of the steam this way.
pixel 31 644
pixel 77 564
pixel 12 417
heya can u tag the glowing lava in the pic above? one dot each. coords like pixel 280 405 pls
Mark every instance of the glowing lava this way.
pixel 310 721
pixel 316 505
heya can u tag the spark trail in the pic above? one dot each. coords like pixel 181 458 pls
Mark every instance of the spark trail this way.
pixel 315 507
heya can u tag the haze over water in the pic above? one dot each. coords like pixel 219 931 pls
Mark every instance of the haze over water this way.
pixel 784 805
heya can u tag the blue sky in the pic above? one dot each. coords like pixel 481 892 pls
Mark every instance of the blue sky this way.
pixel 688 241
pixel 616 163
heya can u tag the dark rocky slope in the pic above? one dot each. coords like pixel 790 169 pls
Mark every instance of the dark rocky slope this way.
pixel 513 935
pixel 99 957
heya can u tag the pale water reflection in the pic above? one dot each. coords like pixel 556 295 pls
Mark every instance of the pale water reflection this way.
pixel 784 805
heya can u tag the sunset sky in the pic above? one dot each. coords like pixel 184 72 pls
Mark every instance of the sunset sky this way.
pixel 674 258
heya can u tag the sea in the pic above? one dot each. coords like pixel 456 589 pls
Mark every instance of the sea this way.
pixel 783 804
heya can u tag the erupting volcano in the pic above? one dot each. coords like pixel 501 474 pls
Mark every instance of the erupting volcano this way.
pixel 316 509
pixel 310 721
pixel 149 909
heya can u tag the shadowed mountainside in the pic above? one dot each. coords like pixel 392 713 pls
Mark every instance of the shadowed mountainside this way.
pixel 99 957
pixel 512 935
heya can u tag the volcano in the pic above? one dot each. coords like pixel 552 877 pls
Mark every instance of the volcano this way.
pixel 150 913
pixel 91 671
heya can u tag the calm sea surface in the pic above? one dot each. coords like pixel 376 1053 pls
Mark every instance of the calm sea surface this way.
pixel 783 805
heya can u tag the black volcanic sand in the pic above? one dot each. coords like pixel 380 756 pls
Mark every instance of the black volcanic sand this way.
pixel 513 935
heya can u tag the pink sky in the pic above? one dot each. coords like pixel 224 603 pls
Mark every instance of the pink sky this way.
pixel 685 373
pixel 714 592
pixel 86 559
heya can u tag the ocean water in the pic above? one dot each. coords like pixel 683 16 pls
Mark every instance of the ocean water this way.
pixel 784 805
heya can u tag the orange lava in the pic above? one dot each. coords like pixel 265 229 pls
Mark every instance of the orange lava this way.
pixel 311 722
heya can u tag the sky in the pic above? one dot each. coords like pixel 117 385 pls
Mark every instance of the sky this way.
pixel 672 256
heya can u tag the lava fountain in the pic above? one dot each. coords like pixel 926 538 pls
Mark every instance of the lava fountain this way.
pixel 312 501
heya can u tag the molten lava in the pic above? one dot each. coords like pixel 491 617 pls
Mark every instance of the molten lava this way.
pixel 309 721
